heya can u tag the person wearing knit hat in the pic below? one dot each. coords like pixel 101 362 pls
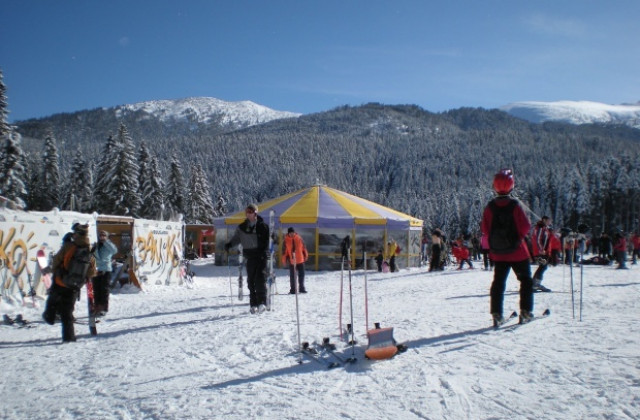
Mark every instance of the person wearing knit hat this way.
pixel 295 253
pixel 253 234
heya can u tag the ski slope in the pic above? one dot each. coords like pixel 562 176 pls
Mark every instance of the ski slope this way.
pixel 176 353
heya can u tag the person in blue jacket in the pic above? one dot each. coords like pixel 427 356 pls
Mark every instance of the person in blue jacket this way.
pixel 103 252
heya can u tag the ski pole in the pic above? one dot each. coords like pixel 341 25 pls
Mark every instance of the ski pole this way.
pixel 230 285
pixel 353 338
pixel 581 283
pixel 564 258
pixel 295 282
pixel 341 292
pixel 573 304
pixel 366 295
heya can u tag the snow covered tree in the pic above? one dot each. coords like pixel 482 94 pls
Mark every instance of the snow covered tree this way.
pixel 153 191
pixel 102 198
pixel 123 185
pixel 199 204
pixel 175 203
pixel 13 173
pixel 79 195
pixel 50 177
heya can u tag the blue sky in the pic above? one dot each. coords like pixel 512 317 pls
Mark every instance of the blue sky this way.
pixel 311 56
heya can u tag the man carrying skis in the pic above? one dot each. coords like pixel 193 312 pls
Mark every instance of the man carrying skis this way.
pixel 294 250
pixel 541 242
pixel 253 234
pixel 506 225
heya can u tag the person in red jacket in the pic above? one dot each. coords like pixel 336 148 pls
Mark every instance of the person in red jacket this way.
pixel 506 225
pixel 555 246
pixel 620 250
pixel 462 254
pixel 295 253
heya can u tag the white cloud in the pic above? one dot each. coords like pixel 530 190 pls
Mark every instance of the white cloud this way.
pixel 551 25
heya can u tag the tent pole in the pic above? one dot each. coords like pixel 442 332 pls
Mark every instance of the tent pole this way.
pixel 317 252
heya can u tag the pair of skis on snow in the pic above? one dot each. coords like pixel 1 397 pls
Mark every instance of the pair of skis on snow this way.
pixel 521 321
pixel 325 354
pixel 18 321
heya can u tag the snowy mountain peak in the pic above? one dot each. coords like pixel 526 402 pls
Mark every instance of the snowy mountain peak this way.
pixel 205 109
pixel 576 112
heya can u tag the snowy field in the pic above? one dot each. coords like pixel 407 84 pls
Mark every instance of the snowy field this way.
pixel 176 353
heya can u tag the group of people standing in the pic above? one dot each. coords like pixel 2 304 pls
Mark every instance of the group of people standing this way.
pixel 93 263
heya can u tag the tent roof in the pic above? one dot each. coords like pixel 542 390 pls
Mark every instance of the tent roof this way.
pixel 327 207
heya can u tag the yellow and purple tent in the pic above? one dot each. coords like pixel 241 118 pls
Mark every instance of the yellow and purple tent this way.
pixel 324 216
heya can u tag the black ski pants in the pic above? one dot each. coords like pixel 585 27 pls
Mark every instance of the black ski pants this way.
pixel 101 290
pixel 299 268
pixel 522 269
pixel 62 300
pixel 539 274
pixel 256 280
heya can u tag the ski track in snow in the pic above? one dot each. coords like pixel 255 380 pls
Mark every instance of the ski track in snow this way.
pixel 173 352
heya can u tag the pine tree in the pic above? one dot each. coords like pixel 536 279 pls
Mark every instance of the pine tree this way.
pixel 13 173
pixel 199 204
pixel 50 177
pixel 175 204
pixel 102 200
pixel 79 193
pixel 123 185
pixel 153 200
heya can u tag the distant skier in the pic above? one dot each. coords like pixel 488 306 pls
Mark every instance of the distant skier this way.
pixel 506 225
pixel 541 243
pixel 620 250
pixel 253 234
pixel 294 249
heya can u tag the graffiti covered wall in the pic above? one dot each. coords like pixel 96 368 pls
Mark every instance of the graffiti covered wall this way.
pixel 22 235
pixel 157 250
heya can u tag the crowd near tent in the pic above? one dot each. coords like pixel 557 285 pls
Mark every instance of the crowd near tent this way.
pixel 323 217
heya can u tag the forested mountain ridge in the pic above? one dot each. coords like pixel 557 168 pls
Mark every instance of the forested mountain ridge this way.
pixel 151 119
pixel 576 112
pixel 436 166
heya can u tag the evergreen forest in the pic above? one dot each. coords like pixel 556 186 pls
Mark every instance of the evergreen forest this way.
pixel 435 166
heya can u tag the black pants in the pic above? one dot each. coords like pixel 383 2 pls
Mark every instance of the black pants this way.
pixel 522 269
pixel 434 264
pixel 256 281
pixel 486 260
pixel 392 264
pixel 539 274
pixel 101 290
pixel 62 301
pixel 292 283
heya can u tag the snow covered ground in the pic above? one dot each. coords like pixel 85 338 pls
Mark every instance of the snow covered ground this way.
pixel 176 353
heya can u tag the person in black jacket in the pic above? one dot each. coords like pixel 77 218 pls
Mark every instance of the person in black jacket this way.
pixel 253 234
